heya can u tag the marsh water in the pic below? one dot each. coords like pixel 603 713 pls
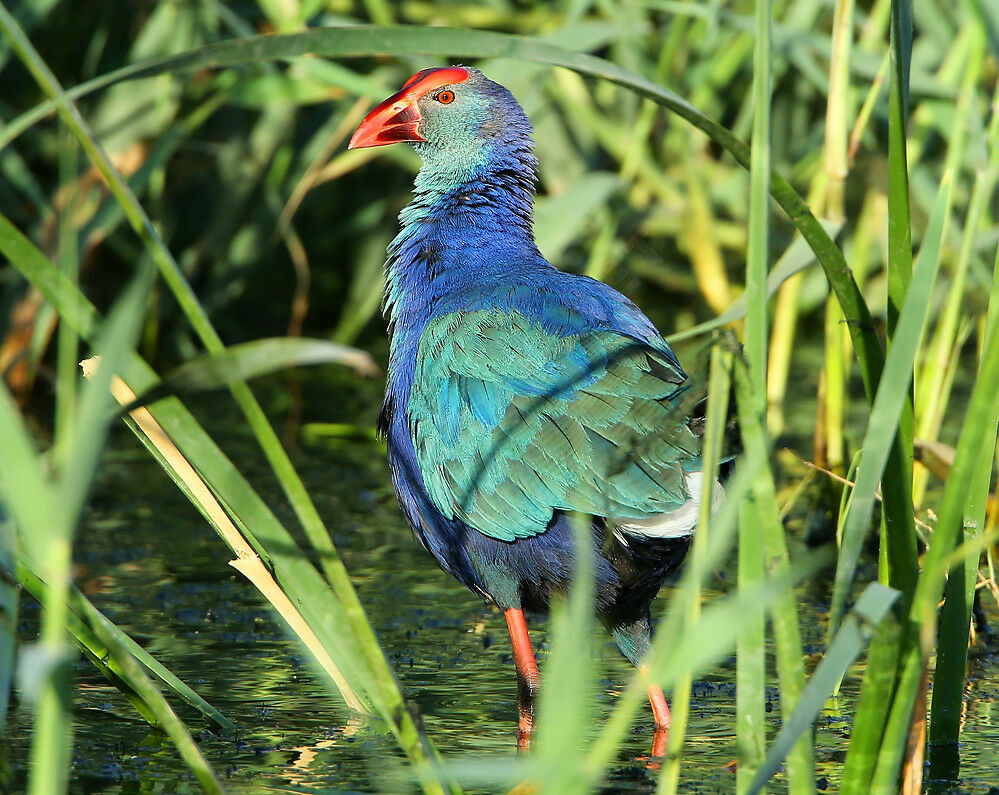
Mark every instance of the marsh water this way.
pixel 147 558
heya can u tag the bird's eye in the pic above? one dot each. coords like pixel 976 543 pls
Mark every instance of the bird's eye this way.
pixel 445 97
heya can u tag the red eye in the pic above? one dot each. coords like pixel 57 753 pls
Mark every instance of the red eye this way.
pixel 445 97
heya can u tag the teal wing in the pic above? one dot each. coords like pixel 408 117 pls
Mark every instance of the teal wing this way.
pixel 511 423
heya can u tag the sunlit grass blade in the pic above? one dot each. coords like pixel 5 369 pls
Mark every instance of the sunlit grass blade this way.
pixel 855 631
pixel 248 360
pixel 719 384
pixel 566 704
pixel 762 545
pixel 246 548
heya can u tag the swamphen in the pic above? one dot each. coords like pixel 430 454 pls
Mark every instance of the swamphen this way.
pixel 517 393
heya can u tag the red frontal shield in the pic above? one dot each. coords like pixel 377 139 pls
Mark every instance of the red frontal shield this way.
pixel 397 118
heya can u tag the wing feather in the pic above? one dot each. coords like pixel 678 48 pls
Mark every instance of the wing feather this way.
pixel 512 422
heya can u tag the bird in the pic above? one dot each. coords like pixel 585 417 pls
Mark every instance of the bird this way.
pixel 518 395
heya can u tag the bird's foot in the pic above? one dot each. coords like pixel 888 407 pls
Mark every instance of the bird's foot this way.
pixel 525 727
pixel 655 758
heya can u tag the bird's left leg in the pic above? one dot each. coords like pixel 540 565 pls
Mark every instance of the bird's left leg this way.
pixel 635 640
pixel 528 678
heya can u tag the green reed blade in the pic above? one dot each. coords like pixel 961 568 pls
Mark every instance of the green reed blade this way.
pixel 566 706
pixel 972 446
pixel 889 403
pixel 952 647
pixel 855 631
pixel 877 689
pixel 898 537
pixel 751 401
pixel 751 670
pixel 899 226
pixel 762 545
pixel 247 360
pixel 719 384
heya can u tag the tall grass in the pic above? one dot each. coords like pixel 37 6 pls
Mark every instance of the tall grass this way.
pixel 646 200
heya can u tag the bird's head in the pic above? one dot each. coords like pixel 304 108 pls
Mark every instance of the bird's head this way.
pixel 453 115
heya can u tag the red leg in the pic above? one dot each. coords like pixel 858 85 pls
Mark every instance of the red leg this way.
pixel 660 713
pixel 528 679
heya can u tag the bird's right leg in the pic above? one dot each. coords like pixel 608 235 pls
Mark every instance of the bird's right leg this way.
pixel 661 716
pixel 528 678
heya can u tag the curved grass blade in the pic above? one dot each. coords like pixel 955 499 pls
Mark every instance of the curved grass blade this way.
pixel 361 40
pixel 165 716
pixel 80 609
pixel 795 259
pixel 762 531
pixel 856 630
pixel 248 360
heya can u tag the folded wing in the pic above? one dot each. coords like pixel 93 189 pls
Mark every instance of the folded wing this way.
pixel 513 421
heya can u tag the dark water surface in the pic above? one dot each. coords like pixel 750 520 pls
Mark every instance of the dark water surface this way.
pixel 151 563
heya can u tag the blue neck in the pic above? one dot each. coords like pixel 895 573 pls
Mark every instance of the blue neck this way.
pixel 470 218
